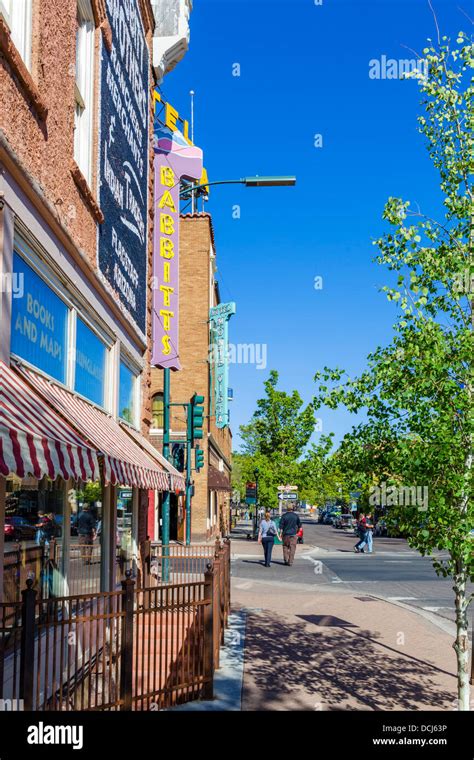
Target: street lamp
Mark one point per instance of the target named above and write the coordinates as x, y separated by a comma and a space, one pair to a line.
278, 181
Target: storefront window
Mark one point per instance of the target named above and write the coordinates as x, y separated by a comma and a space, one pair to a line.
39, 324
34, 509
157, 411
91, 354
127, 403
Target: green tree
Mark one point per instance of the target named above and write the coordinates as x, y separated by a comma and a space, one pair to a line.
418, 391
279, 427
273, 441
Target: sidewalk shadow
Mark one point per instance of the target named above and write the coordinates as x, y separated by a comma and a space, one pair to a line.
319, 665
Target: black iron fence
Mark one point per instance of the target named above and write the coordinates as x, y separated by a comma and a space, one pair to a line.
143, 647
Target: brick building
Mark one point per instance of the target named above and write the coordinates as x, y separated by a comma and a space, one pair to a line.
76, 225
199, 293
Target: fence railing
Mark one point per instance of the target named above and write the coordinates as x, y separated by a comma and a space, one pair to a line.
140, 648
174, 563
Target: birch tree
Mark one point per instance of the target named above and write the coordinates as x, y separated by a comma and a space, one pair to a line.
418, 391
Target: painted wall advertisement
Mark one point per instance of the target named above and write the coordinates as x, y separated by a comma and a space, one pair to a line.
175, 158
124, 144
219, 316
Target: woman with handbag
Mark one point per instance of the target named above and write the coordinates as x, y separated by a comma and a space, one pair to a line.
267, 533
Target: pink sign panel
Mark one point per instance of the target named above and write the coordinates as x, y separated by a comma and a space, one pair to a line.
175, 159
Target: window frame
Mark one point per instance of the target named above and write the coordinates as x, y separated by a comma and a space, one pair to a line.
18, 16
136, 392
107, 368
157, 428
84, 82
41, 269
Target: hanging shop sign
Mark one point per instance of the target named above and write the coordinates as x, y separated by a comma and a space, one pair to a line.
176, 158
124, 146
219, 316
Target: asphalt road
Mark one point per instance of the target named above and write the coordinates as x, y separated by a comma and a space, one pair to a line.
327, 561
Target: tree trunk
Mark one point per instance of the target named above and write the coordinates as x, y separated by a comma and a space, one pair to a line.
461, 644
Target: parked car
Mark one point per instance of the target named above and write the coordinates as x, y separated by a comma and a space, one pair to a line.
330, 517
347, 522
23, 530
380, 528
8, 532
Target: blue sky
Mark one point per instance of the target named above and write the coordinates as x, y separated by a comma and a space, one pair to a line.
304, 70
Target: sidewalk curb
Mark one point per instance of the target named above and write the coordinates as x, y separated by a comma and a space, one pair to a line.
443, 624
228, 680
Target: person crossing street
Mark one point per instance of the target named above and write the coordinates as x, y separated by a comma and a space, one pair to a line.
290, 524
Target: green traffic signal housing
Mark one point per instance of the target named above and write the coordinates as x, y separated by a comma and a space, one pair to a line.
198, 459
197, 417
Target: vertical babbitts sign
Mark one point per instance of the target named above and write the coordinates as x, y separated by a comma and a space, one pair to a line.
124, 145
175, 158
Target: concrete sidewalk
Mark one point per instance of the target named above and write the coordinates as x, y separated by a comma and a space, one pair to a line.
310, 650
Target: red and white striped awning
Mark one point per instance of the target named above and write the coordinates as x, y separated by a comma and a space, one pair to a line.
177, 481
36, 441
125, 462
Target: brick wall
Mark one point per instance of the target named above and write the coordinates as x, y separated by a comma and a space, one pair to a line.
37, 124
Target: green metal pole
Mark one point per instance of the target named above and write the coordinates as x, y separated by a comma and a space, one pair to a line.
165, 511
189, 444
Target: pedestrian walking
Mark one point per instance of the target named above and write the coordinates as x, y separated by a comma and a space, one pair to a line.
267, 533
45, 529
290, 524
86, 532
362, 533
369, 540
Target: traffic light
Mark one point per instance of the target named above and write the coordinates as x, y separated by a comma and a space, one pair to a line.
197, 417
198, 458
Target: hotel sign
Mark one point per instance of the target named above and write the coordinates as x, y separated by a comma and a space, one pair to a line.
219, 316
175, 158
124, 151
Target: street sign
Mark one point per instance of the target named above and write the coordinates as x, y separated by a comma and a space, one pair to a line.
288, 496
287, 488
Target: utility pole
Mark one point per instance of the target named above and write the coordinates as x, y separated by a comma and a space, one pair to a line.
189, 443
165, 508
